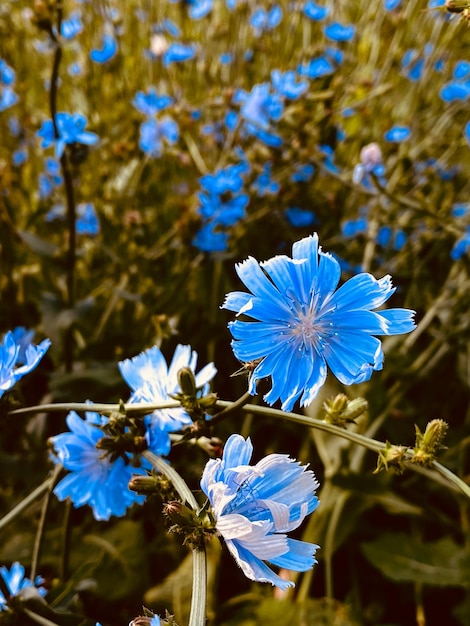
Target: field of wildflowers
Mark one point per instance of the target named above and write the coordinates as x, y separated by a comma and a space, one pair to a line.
234, 312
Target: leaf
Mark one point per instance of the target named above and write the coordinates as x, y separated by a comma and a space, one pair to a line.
401, 558
38, 245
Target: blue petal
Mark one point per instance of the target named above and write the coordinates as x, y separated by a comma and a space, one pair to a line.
300, 557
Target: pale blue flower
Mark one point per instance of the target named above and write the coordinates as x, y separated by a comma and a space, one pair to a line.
154, 133
15, 581
178, 52
285, 83
18, 358
397, 134
255, 506
314, 11
94, 478
316, 68
151, 103
339, 32
300, 323
72, 26
152, 380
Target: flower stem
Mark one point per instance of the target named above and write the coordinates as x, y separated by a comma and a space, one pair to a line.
197, 615
42, 522
46, 486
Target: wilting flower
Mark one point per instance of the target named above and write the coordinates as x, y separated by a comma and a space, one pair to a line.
153, 381
300, 323
15, 582
255, 506
95, 477
18, 359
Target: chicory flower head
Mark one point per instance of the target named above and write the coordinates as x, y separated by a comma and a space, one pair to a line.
17, 358
300, 323
94, 478
71, 129
15, 582
153, 381
255, 506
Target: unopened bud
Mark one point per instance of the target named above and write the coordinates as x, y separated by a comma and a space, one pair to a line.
391, 456
187, 381
340, 410
429, 442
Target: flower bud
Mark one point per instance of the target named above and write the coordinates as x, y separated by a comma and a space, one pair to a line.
187, 381
340, 410
429, 442
391, 456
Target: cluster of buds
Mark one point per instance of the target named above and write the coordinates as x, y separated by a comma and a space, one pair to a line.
341, 411
123, 434
194, 527
153, 484
424, 452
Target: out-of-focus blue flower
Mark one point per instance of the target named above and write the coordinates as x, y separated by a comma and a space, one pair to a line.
300, 218
412, 65
95, 478
351, 228
108, 50
15, 581
72, 26
264, 185
300, 323
259, 109
152, 380
455, 90
255, 506
302, 173
87, 221
328, 156
199, 8
8, 97
460, 209
391, 5
316, 68
207, 239
221, 205
285, 83
462, 246
315, 11
262, 20
339, 32
178, 52
19, 157
18, 359
153, 134
14, 126
71, 129
386, 236
50, 179
397, 134
7, 74
151, 103
461, 70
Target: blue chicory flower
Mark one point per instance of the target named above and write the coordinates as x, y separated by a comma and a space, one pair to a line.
300, 218
314, 11
153, 134
339, 32
15, 581
285, 83
94, 478
71, 129
391, 5
397, 134
87, 221
108, 50
151, 103
72, 26
199, 8
207, 239
262, 20
255, 506
264, 185
153, 381
316, 68
259, 109
300, 323
18, 358
178, 52
302, 173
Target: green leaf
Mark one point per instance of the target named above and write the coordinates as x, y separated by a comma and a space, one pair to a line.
403, 559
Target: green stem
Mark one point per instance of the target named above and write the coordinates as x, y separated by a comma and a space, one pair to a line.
197, 615
39, 619
46, 486
42, 522
141, 407
453, 478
